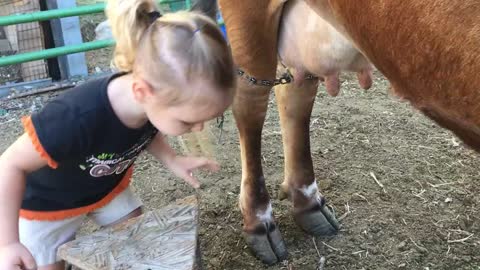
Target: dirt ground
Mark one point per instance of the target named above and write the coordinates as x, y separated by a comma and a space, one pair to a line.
427, 216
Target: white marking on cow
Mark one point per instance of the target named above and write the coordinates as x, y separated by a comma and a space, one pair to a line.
311, 190
265, 216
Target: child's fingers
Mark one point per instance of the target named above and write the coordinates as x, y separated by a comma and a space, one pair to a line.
28, 260
211, 166
188, 177
205, 163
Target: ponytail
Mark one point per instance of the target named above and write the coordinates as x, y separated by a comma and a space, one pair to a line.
129, 19
169, 52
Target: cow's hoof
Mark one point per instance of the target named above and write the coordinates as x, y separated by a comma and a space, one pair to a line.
318, 221
267, 243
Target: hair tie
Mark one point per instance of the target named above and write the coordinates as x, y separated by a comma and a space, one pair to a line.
198, 29
153, 16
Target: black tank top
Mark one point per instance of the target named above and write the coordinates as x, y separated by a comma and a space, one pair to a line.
89, 149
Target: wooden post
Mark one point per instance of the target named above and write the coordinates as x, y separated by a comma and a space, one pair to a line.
5, 45
10, 31
66, 31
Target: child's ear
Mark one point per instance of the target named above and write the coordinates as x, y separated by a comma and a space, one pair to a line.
141, 90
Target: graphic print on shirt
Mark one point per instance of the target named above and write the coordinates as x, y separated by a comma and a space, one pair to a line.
103, 164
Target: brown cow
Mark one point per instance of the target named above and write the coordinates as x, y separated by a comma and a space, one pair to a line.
326, 53
429, 50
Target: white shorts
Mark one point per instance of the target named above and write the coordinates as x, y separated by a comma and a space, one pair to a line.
43, 238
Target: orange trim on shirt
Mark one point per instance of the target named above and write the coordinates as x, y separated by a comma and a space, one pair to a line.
32, 133
64, 214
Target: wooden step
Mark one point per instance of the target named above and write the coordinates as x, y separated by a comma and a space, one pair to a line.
162, 239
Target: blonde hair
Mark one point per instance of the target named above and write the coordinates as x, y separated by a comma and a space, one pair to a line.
176, 48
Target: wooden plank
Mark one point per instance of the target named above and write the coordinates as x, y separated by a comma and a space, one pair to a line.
163, 239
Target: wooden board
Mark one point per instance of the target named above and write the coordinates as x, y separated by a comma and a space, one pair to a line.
163, 239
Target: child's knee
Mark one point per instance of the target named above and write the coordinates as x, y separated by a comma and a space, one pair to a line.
43, 238
55, 266
124, 206
135, 213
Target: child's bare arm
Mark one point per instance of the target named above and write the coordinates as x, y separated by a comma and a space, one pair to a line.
161, 150
18, 160
181, 166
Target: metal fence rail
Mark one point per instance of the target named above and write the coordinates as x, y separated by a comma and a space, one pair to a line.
51, 14
76, 11
54, 52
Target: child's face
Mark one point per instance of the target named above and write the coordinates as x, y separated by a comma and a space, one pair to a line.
205, 104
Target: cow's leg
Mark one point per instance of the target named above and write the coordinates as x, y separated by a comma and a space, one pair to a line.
260, 230
295, 107
252, 28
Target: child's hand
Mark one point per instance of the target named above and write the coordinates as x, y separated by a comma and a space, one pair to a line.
183, 166
16, 256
